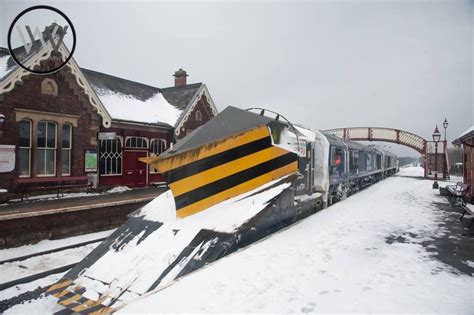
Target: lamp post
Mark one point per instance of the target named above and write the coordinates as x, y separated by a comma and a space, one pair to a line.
436, 138
445, 164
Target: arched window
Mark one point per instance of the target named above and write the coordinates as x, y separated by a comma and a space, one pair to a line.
46, 149
25, 148
198, 115
136, 142
157, 146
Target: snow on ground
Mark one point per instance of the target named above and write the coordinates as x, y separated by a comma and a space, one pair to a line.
27, 287
338, 260
412, 171
118, 189
42, 305
50, 244
15, 270
20, 269
55, 196
126, 107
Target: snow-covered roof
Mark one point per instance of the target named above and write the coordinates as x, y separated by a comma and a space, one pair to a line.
6, 63
133, 101
155, 109
469, 133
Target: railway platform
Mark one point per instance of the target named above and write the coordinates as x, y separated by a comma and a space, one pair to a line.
31, 221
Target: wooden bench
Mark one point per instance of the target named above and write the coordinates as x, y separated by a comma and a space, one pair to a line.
469, 210
457, 192
26, 185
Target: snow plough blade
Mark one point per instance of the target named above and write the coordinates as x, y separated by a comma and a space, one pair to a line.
231, 183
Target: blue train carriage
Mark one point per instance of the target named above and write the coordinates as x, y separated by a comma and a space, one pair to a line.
390, 163
352, 166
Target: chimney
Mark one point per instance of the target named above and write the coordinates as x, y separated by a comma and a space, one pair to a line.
180, 77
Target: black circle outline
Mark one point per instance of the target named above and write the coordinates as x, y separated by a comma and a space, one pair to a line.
47, 7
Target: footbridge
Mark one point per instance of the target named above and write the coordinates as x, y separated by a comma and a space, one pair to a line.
398, 136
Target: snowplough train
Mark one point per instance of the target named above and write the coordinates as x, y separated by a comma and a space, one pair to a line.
238, 178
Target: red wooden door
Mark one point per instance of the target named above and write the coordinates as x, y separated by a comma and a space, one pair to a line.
134, 171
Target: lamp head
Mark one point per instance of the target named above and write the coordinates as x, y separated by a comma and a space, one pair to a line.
436, 135
445, 123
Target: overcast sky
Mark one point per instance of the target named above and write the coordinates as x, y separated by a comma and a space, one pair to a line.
324, 64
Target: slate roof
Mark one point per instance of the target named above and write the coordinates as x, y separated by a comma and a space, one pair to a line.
468, 134
180, 96
100, 80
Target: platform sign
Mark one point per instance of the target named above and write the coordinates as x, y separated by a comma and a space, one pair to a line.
107, 135
7, 158
90, 161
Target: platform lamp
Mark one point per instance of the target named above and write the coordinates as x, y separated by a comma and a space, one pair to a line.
445, 163
436, 138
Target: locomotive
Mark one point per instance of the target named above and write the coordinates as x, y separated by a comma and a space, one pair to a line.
235, 180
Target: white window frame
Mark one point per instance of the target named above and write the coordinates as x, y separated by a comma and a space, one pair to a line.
120, 154
29, 149
131, 137
66, 149
46, 147
153, 154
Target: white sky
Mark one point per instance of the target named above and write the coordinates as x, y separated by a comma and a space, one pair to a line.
325, 64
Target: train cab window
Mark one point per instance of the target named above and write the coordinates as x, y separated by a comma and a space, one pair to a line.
336, 156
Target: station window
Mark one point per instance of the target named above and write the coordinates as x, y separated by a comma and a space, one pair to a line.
66, 149
111, 156
25, 148
136, 142
157, 146
46, 149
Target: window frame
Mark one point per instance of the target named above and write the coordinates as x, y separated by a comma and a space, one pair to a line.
30, 122
136, 147
66, 149
46, 148
153, 154
120, 140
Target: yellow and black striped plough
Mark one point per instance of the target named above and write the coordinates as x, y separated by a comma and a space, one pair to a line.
229, 163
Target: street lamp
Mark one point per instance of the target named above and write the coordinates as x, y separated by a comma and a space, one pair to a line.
436, 138
445, 164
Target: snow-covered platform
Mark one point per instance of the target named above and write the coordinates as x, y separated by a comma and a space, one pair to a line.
397, 246
44, 217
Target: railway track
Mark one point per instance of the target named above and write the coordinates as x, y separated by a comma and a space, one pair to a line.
36, 292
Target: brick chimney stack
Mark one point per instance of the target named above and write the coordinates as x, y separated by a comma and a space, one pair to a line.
180, 77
